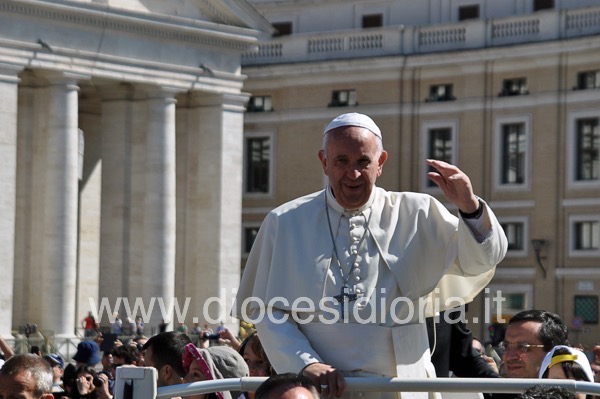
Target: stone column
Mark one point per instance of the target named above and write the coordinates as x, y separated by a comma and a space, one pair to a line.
117, 124
59, 224
212, 191
159, 205
22, 253
31, 160
88, 261
8, 175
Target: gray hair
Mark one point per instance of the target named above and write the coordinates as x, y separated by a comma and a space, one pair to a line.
37, 368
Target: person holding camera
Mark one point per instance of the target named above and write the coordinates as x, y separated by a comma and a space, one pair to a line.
204, 340
223, 337
89, 384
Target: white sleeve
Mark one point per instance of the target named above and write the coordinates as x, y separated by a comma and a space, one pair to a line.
286, 346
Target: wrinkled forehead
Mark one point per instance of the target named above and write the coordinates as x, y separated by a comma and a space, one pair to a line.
350, 131
19, 383
351, 138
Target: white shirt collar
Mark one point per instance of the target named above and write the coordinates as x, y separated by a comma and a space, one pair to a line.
332, 202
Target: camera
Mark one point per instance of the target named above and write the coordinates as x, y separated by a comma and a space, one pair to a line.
208, 336
98, 382
28, 329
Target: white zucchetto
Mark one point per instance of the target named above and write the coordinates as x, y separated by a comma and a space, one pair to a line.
354, 119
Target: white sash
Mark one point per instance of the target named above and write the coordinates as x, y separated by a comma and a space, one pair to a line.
366, 350
358, 347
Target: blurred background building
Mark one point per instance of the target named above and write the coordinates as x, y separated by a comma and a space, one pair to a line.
507, 90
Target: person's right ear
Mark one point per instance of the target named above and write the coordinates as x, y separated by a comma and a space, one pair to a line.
323, 159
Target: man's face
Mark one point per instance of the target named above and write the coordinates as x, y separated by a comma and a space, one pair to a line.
19, 385
57, 372
117, 362
107, 361
149, 362
353, 163
149, 358
517, 363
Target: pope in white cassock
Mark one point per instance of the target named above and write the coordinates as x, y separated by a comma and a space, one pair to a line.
337, 281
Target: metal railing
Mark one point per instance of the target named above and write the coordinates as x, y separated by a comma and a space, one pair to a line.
46, 341
495, 385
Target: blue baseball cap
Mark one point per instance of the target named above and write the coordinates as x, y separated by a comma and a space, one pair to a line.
55, 360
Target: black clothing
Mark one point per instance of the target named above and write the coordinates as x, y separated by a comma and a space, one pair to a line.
454, 348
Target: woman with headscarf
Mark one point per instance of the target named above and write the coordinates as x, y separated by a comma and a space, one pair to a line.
213, 363
566, 363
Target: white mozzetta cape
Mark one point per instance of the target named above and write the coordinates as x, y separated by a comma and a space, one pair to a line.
420, 244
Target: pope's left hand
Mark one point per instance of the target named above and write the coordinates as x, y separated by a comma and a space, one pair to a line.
455, 184
330, 381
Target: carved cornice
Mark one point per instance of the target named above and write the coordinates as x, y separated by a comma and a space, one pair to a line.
236, 13
208, 7
170, 28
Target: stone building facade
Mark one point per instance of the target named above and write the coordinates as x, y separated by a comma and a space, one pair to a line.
508, 91
121, 140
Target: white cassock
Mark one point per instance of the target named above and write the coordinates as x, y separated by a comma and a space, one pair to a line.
394, 251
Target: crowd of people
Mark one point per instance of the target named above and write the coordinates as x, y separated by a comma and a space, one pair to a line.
91, 373
356, 248
535, 346
118, 327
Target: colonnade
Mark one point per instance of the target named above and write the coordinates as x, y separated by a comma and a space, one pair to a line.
156, 215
